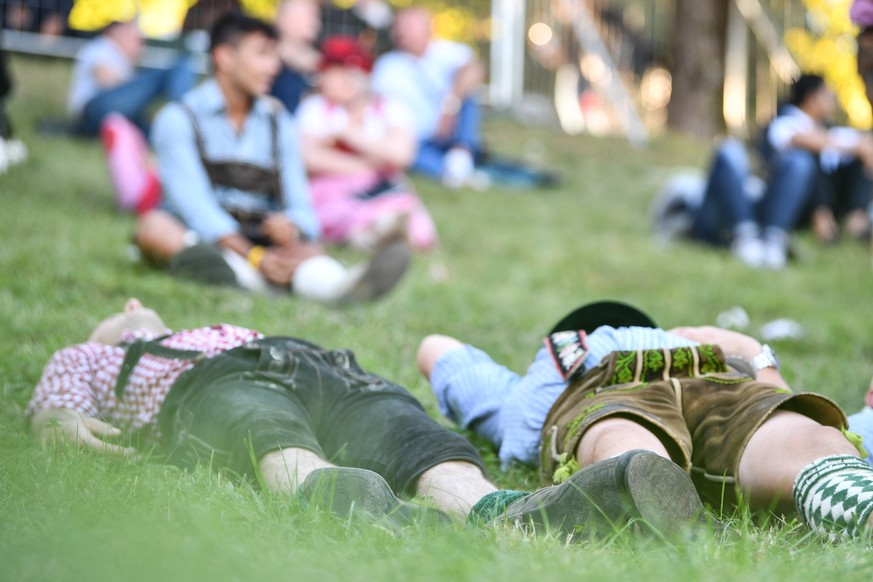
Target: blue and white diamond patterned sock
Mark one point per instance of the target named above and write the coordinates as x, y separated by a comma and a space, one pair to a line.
835, 495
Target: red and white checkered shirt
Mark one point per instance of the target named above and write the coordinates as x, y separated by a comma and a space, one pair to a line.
83, 377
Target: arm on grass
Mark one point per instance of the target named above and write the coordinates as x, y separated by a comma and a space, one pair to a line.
64, 408
69, 427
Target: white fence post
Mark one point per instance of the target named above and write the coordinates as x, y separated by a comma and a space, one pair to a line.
507, 52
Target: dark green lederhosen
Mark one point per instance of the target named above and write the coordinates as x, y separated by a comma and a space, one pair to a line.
703, 413
286, 393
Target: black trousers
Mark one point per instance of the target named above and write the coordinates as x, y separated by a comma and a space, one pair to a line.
277, 393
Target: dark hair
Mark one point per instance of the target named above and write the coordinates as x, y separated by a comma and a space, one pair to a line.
232, 26
804, 87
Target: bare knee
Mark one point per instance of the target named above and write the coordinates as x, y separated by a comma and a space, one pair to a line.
159, 235
431, 348
613, 436
784, 444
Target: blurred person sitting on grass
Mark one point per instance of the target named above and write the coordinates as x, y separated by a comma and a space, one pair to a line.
106, 80
708, 403
356, 146
813, 173
281, 412
236, 203
437, 80
298, 23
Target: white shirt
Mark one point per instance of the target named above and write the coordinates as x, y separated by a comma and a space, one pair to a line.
318, 117
99, 53
794, 122
421, 83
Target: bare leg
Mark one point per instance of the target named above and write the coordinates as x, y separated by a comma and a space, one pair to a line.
613, 436
430, 350
778, 450
285, 469
159, 235
455, 486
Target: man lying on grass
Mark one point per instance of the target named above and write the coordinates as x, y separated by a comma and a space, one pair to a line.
293, 418
705, 401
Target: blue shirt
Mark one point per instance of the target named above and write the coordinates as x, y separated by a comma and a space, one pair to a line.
188, 191
421, 83
510, 410
98, 53
862, 423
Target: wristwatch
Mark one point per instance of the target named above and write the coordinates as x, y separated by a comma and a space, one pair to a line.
766, 359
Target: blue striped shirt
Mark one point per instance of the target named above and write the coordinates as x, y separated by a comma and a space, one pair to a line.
187, 190
509, 409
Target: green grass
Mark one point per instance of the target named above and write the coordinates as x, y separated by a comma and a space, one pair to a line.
509, 265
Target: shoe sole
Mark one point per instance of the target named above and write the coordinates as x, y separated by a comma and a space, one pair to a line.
638, 486
350, 491
385, 270
662, 495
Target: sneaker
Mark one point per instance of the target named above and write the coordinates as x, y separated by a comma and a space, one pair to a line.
637, 486
348, 492
16, 151
459, 168
381, 274
203, 262
675, 206
749, 250
775, 249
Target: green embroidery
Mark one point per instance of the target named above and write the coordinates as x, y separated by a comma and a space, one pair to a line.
574, 425
682, 359
653, 362
632, 387
856, 440
624, 371
566, 468
728, 380
710, 363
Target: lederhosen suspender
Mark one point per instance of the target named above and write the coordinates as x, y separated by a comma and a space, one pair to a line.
244, 176
137, 348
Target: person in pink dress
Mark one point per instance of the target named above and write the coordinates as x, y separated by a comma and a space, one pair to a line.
355, 147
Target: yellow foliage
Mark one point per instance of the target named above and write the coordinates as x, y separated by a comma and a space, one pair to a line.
157, 18
263, 9
829, 50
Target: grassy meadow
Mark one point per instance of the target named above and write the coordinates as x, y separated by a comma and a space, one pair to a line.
509, 264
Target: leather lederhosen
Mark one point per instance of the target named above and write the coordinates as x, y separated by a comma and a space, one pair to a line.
260, 181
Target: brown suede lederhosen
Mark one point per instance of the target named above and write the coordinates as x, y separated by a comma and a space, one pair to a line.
703, 412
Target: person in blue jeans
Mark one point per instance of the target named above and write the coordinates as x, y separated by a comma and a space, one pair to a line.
106, 80
812, 172
437, 79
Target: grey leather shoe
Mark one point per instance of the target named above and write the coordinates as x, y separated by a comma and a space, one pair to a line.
349, 492
637, 486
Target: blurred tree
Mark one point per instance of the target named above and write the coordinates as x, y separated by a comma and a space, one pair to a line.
698, 67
